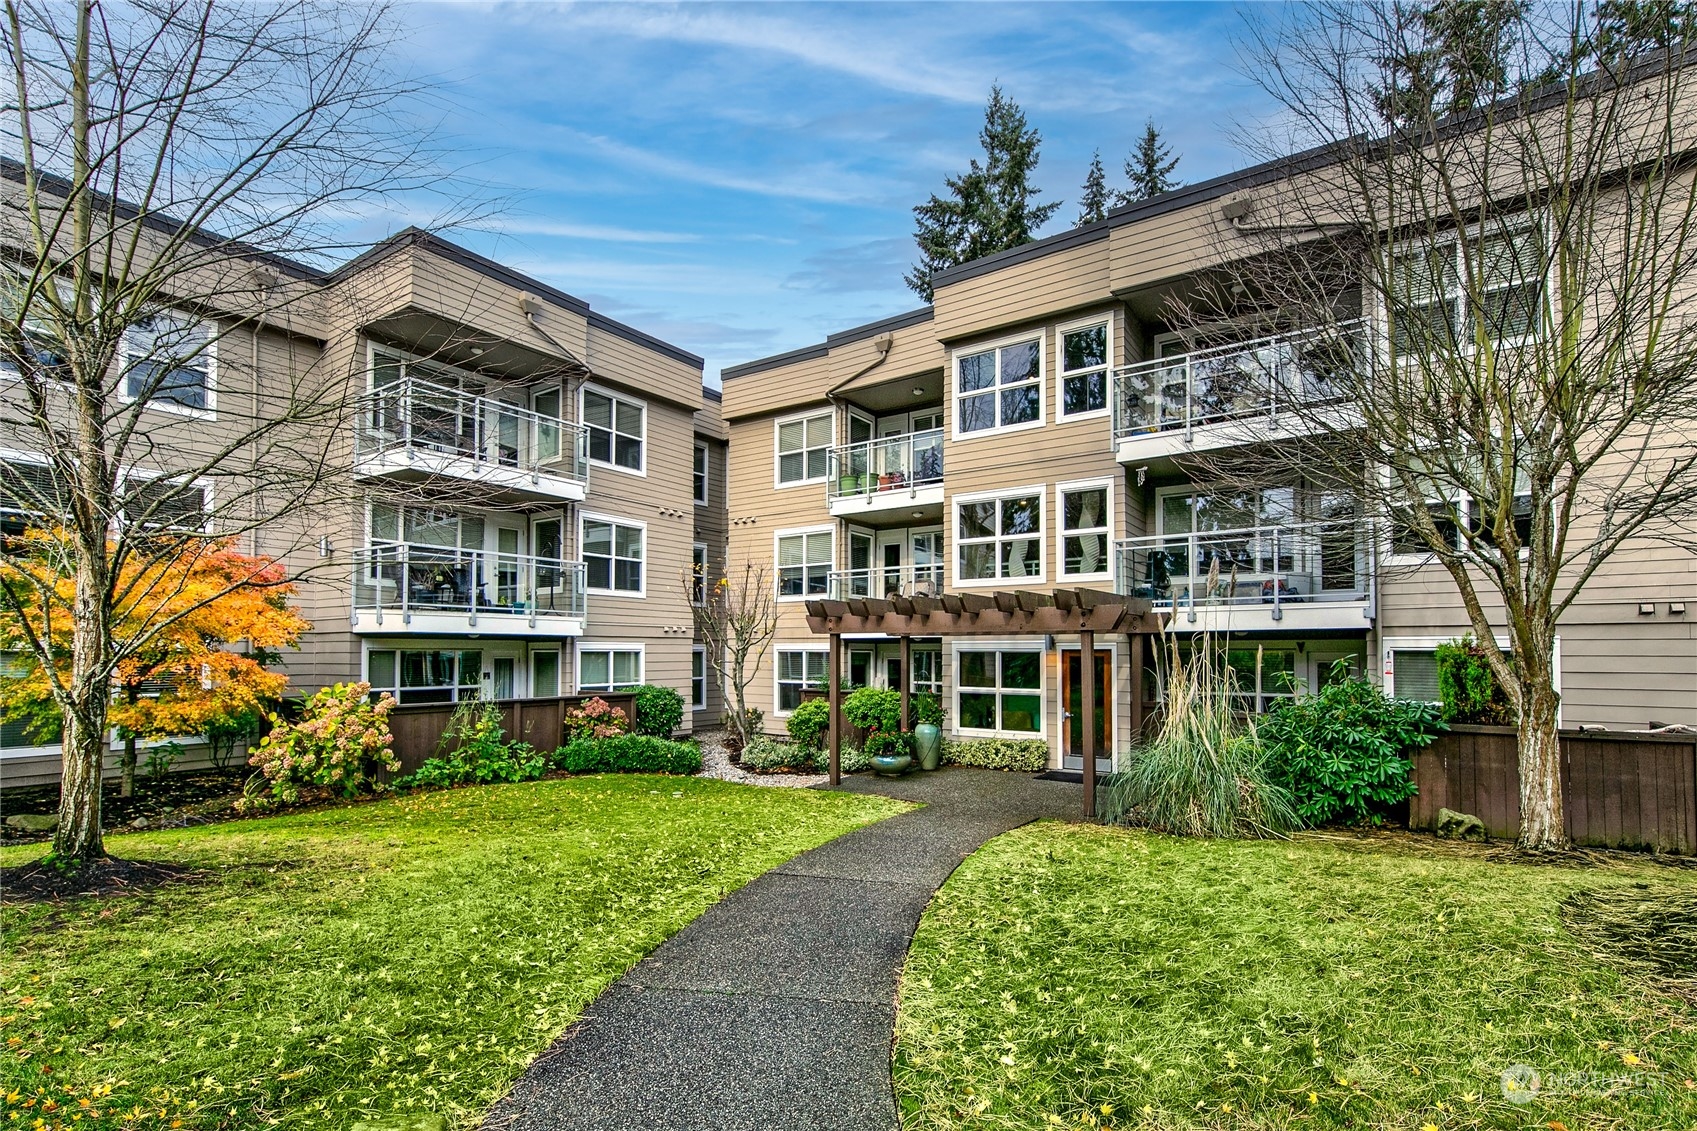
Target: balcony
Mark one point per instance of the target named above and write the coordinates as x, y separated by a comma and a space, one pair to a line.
894, 475
414, 429
1243, 393
405, 588
889, 581
1296, 578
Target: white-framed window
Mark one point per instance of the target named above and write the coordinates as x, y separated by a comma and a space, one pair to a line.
1435, 309
803, 448
1083, 355
169, 362
804, 560
1084, 518
927, 671
420, 525
544, 673
40, 342
425, 675
999, 536
798, 669
698, 573
613, 555
1409, 547
698, 678
701, 472
617, 424
999, 386
999, 690
608, 667
28, 493
162, 503
1262, 676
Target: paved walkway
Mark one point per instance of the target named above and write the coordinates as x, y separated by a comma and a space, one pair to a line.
776, 1008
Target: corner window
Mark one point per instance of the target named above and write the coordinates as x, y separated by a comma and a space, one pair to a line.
1084, 370
612, 555
804, 564
702, 462
698, 678
804, 449
999, 537
617, 428
999, 388
424, 676
612, 668
698, 574
1084, 531
799, 669
168, 362
1000, 691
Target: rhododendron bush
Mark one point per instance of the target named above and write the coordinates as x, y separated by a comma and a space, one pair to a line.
338, 747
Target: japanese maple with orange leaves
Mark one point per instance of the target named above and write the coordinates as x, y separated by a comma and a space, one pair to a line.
176, 618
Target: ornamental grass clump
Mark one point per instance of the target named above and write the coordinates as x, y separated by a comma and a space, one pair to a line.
338, 748
1205, 773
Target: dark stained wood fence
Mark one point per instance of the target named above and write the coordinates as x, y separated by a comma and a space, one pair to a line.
1620, 790
418, 729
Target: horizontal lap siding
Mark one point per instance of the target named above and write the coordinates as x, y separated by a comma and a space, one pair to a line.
1039, 288
786, 388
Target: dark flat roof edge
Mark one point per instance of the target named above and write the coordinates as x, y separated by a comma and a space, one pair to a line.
761, 365
712, 394
841, 338
648, 341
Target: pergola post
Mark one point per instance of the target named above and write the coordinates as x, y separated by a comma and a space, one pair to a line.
907, 684
834, 696
1137, 647
1087, 707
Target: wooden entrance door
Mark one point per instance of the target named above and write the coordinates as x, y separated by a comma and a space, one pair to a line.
1072, 729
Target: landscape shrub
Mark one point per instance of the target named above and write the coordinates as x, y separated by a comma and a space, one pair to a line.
474, 750
339, 746
629, 754
659, 710
1344, 754
1022, 755
1205, 773
809, 725
766, 755
596, 718
1468, 687
852, 760
874, 708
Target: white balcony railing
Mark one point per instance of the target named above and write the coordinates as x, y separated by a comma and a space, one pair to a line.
888, 581
1261, 378
404, 577
1258, 566
414, 416
890, 464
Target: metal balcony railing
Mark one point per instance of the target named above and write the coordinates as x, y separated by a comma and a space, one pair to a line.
1264, 377
888, 581
893, 463
404, 577
1253, 566
413, 415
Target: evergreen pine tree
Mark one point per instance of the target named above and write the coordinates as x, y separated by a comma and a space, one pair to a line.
988, 208
1149, 169
1093, 199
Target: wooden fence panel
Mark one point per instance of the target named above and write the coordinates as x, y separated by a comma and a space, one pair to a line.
1620, 790
418, 729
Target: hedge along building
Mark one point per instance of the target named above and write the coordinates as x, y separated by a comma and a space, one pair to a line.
1049, 422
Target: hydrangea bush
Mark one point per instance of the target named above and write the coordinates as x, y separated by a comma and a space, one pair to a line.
595, 719
339, 746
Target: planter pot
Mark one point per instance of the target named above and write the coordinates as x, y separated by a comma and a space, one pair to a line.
892, 765
848, 485
928, 741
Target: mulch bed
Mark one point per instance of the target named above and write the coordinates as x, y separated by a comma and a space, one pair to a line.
187, 798
45, 883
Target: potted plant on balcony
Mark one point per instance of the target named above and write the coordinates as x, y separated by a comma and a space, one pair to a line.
848, 485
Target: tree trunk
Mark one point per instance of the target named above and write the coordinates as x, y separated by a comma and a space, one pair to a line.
1543, 824
127, 783
78, 838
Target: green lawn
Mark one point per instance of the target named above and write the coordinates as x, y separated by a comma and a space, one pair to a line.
1085, 975
409, 955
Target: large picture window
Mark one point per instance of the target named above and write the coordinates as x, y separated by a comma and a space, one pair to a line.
1084, 369
1000, 537
999, 388
1084, 530
617, 427
804, 449
1000, 691
610, 668
425, 676
804, 564
799, 669
612, 555
168, 362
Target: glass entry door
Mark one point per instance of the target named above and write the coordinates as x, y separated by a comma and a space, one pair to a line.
1073, 724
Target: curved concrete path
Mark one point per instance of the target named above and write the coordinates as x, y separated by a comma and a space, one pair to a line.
776, 1007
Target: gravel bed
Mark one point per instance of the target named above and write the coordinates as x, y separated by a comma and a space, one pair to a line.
716, 763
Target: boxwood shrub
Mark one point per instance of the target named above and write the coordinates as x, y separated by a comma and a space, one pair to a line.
629, 754
1025, 755
659, 710
809, 724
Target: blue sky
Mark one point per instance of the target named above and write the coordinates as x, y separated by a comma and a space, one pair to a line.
738, 179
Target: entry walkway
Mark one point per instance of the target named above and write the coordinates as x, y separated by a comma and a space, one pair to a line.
776, 1007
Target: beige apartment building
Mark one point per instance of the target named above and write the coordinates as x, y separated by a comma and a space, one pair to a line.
1026, 431
526, 486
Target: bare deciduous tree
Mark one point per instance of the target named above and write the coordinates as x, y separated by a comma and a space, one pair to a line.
737, 619
1489, 238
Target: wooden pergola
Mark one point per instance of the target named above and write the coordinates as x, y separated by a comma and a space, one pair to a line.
1019, 612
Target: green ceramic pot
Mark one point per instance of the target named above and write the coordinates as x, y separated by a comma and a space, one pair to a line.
928, 742
892, 765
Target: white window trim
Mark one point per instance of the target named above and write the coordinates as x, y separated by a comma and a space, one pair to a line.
791, 532
706, 470
1527, 221
617, 395
408, 358
953, 406
997, 644
1061, 374
428, 644
952, 539
1061, 489
589, 516
210, 412
609, 646
777, 483
1391, 558
1390, 645
695, 579
777, 672
706, 675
